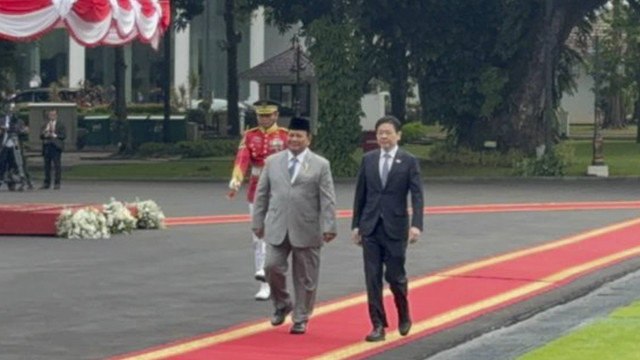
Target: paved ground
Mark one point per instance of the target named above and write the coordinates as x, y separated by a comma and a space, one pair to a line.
70, 299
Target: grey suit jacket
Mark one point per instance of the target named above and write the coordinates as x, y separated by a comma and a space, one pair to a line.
305, 209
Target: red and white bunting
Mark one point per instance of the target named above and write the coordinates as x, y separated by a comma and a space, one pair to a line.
90, 22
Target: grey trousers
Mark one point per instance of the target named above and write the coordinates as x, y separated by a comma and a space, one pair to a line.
305, 271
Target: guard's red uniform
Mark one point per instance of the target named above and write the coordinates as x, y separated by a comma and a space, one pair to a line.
257, 144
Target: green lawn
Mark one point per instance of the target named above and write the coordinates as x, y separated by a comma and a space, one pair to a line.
613, 338
622, 157
186, 168
586, 130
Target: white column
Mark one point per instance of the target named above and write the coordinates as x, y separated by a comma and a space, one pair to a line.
76, 63
181, 61
128, 60
256, 49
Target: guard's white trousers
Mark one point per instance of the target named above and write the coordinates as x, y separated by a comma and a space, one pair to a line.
259, 247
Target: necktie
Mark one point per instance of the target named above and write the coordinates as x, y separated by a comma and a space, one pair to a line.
385, 169
292, 167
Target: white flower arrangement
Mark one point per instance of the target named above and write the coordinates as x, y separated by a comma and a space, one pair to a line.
115, 218
119, 218
149, 214
84, 223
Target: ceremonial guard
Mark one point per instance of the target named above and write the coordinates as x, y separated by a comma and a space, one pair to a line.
256, 145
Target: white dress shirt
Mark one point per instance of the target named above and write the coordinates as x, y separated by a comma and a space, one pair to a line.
300, 158
392, 152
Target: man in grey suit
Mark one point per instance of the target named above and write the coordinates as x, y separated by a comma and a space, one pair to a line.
294, 211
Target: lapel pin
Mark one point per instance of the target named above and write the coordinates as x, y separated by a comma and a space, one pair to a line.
398, 161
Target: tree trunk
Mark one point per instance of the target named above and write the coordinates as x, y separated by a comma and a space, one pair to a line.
614, 110
166, 87
521, 123
120, 108
233, 38
636, 116
422, 93
399, 81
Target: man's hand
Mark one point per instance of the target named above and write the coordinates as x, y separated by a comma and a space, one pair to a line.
234, 186
259, 233
328, 237
355, 235
414, 235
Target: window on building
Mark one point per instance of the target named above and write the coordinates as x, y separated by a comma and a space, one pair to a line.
284, 94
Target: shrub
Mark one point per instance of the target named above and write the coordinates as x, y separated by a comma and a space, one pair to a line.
207, 148
552, 163
154, 149
190, 149
414, 132
448, 153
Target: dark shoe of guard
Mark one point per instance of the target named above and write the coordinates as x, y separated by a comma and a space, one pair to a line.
404, 327
279, 315
299, 328
56, 187
377, 334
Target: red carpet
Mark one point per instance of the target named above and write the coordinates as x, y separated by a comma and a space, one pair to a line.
435, 210
438, 301
39, 219
31, 219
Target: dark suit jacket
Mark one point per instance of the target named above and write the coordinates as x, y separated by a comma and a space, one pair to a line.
372, 201
58, 141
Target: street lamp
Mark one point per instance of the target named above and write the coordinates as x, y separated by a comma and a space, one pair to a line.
297, 68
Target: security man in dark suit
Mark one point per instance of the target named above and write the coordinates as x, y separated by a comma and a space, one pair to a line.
52, 134
381, 222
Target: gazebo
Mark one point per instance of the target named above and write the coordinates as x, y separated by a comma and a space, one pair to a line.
281, 76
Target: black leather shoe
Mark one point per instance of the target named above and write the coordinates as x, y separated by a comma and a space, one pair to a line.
279, 315
299, 328
377, 334
404, 327
56, 187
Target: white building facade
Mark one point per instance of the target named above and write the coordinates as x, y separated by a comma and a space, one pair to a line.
198, 59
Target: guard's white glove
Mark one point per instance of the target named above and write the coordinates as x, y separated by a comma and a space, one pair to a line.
234, 185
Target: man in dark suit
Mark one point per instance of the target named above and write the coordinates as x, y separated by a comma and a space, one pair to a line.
52, 134
381, 222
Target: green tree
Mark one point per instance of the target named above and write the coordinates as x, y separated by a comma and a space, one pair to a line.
632, 65
482, 66
613, 27
519, 120
337, 52
235, 11
461, 66
388, 27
